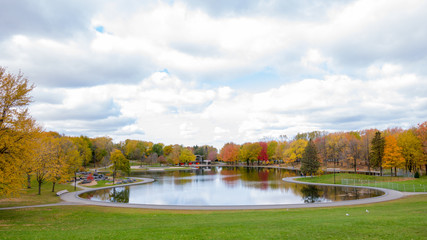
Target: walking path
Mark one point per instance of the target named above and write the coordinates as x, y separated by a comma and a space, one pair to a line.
74, 199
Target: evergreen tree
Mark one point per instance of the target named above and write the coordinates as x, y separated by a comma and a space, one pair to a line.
310, 162
377, 151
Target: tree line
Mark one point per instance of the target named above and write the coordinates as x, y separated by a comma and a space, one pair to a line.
370, 149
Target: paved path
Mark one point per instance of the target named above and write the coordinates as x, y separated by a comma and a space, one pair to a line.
73, 199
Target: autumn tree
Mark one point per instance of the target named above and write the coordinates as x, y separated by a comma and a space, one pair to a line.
229, 153
412, 150
119, 163
366, 139
309, 161
354, 148
295, 151
173, 157
421, 133
102, 147
84, 147
377, 151
75, 156
263, 156
249, 152
17, 131
167, 150
43, 159
186, 156
212, 153
392, 155
272, 150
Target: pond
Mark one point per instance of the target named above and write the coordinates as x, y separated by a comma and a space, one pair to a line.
225, 186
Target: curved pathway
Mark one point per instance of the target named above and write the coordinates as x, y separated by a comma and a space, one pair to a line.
73, 198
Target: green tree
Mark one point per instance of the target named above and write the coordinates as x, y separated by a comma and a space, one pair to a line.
310, 162
377, 151
119, 163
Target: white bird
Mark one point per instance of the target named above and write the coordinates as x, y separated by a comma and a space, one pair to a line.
347, 214
367, 211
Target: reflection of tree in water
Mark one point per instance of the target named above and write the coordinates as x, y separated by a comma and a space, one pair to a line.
120, 195
311, 194
230, 176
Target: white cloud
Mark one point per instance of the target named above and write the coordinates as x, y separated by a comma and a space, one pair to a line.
195, 73
191, 115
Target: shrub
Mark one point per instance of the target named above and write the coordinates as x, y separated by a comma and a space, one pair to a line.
90, 177
417, 174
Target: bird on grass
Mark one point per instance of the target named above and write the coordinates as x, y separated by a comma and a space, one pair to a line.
367, 211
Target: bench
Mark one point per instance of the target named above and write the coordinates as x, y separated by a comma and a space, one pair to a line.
61, 192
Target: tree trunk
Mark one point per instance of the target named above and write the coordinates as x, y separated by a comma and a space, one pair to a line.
114, 176
75, 181
28, 180
381, 171
355, 166
40, 187
53, 186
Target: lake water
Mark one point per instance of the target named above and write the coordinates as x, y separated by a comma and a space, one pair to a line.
225, 186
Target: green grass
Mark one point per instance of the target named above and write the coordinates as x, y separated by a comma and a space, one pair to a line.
30, 196
399, 219
103, 183
396, 183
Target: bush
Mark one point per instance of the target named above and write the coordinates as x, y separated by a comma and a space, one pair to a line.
417, 175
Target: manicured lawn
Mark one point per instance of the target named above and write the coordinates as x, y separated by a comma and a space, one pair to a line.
31, 197
103, 183
399, 219
397, 183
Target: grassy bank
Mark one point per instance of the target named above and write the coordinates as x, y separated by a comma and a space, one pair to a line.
397, 183
400, 219
30, 196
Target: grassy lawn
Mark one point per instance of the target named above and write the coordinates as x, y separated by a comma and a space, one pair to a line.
397, 183
31, 197
103, 183
399, 219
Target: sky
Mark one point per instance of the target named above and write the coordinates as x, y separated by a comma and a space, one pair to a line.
211, 72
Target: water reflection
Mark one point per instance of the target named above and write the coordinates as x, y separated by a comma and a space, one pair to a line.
226, 186
311, 194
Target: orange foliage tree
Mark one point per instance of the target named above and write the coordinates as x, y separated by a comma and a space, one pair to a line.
229, 153
392, 155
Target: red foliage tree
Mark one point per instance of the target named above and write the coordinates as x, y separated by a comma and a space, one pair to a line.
263, 156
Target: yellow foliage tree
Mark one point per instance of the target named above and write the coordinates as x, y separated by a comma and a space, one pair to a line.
412, 150
186, 156
120, 163
44, 159
249, 152
17, 132
295, 151
392, 155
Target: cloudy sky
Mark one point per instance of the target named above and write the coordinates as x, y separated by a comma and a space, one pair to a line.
209, 72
